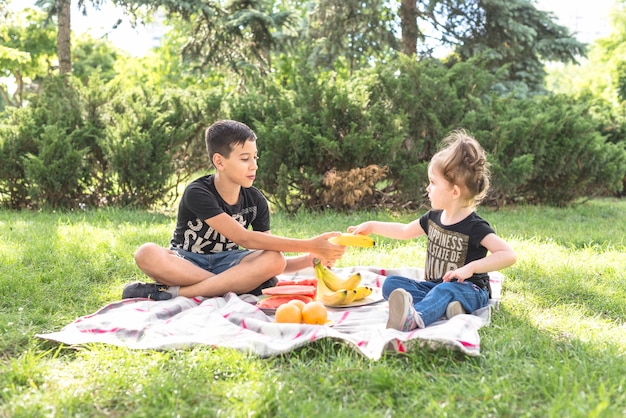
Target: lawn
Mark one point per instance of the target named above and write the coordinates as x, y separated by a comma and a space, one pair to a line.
556, 347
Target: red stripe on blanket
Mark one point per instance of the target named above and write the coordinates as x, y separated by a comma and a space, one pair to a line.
468, 344
343, 317
100, 331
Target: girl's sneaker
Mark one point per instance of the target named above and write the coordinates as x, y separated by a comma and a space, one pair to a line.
402, 314
454, 308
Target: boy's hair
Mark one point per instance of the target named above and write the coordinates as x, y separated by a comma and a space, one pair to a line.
463, 162
224, 135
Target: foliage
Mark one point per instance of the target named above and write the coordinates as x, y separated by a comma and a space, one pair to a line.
396, 115
513, 35
94, 145
547, 149
145, 139
361, 33
94, 58
27, 51
308, 126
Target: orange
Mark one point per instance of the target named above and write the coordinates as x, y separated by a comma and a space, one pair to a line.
314, 313
288, 312
299, 303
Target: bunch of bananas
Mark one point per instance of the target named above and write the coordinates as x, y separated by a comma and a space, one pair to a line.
353, 240
333, 290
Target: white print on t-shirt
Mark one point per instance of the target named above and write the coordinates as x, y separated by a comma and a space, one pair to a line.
447, 250
211, 240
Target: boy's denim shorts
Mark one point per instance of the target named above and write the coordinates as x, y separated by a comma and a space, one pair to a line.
215, 263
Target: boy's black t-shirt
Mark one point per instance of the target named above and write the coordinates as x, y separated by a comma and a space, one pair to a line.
452, 246
201, 201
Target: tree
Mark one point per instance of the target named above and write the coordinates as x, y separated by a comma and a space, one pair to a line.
27, 51
62, 10
509, 34
361, 32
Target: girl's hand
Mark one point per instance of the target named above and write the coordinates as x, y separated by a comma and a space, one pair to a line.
364, 229
459, 274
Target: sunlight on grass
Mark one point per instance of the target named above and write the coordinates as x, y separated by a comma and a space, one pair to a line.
555, 348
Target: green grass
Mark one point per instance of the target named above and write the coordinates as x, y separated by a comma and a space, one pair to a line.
556, 347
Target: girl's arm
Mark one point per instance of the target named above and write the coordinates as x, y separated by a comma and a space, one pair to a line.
502, 256
394, 230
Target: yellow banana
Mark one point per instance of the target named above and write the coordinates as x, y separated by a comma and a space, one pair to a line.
363, 291
332, 280
335, 298
353, 240
335, 282
350, 296
327, 296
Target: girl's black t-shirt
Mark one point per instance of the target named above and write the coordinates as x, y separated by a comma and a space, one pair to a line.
452, 246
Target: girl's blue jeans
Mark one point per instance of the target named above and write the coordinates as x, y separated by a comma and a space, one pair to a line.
431, 299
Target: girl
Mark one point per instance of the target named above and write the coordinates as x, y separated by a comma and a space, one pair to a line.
457, 264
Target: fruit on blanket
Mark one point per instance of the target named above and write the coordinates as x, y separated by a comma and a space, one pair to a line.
288, 313
353, 240
330, 297
309, 281
293, 289
300, 304
363, 291
350, 296
315, 313
332, 280
333, 290
273, 302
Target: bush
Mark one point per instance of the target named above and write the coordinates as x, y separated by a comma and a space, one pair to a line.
316, 125
96, 145
547, 149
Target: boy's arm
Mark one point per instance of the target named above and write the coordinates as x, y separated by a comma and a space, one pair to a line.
297, 263
502, 256
255, 240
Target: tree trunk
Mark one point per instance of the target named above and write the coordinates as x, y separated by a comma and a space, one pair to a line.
64, 37
408, 24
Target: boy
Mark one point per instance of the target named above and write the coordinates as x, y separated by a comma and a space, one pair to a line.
214, 215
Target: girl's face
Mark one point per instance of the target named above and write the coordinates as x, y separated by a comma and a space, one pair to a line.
440, 190
240, 167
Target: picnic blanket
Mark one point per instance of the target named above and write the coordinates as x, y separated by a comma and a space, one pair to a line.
234, 321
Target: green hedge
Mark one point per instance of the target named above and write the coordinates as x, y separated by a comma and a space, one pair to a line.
102, 145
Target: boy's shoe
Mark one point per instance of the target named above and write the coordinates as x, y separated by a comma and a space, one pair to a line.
454, 308
268, 283
154, 291
402, 315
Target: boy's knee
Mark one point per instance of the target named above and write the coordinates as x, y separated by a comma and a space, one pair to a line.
271, 263
144, 252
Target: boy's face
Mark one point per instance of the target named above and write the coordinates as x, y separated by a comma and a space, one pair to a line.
240, 167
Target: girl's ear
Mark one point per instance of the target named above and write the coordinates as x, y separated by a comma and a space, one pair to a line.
456, 191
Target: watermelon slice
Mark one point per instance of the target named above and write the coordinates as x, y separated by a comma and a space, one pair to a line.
311, 281
290, 289
273, 302
307, 282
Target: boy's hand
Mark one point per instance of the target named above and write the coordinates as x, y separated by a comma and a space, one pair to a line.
327, 251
